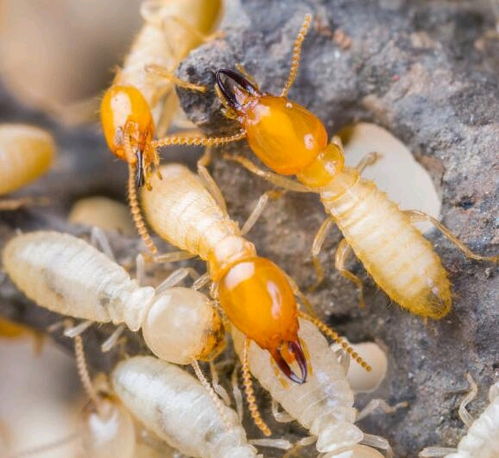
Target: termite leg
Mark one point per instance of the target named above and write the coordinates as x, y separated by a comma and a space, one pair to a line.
176, 277
236, 392
110, 342
336, 140
378, 442
417, 216
140, 269
280, 416
277, 180
375, 404
435, 452
250, 396
174, 256
281, 444
319, 239
199, 35
465, 416
303, 442
219, 389
259, 208
170, 76
368, 160
75, 331
99, 239
202, 281
296, 55
210, 184
343, 251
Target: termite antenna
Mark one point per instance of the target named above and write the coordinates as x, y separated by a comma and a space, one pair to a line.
81, 365
138, 219
250, 396
218, 402
296, 56
337, 338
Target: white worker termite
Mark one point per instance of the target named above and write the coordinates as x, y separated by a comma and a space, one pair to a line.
67, 275
323, 405
173, 404
482, 438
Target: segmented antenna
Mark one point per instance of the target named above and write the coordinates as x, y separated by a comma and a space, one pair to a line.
250, 394
136, 212
197, 141
218, 402
337, 338
296, 56
81, 365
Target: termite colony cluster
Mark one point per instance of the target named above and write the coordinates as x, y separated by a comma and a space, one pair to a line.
244, 304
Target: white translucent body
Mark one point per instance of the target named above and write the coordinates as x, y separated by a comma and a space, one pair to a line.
482, 438
358, 451
109, 433
182, 211
100, 211
26, 152
177, 408
324, 404
67, 275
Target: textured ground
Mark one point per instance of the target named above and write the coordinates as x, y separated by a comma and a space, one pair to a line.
426, 71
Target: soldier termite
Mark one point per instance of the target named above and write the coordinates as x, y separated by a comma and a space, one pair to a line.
256, 295
323, 405
171, 30
26, 153
67, 275
290, 140
173, 404
481, 440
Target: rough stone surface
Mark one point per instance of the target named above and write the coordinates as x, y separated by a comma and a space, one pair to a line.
426, 71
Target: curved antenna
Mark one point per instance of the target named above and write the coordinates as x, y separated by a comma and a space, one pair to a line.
81, 365
337, 338
237, 78
250, 394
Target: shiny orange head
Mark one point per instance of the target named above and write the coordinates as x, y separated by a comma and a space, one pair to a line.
129, 127
259, 301
285, 136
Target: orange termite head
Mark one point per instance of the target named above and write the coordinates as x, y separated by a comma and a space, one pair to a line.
259, 301
129, 128
285, 136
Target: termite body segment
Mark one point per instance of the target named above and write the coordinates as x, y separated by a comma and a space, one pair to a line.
323, 405
128, 114
26, 152
254, 293
176, 407
67, 275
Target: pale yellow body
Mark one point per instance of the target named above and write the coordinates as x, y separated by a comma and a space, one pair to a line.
67, 275
178, 409
26, 152
164, 42
324, 404
400, 260
184, 213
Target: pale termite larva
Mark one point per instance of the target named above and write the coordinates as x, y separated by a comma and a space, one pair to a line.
323, 405
67, 275
482, 438
175, 406
26, 152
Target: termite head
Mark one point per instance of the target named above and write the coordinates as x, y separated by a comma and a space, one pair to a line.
259, 301
284, 135
128, 127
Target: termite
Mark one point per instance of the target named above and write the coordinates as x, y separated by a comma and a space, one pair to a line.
481, 440
323, 405
127, 116
255, 294
69, 276
26, 153
173, 405
290, 140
